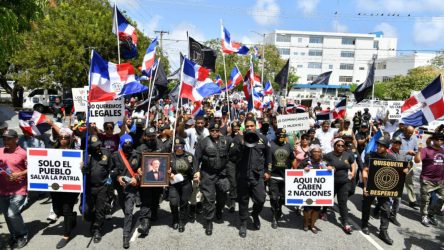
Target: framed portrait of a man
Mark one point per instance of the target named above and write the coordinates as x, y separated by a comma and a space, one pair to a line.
155, 168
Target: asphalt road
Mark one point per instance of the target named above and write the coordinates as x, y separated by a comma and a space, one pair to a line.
289, 235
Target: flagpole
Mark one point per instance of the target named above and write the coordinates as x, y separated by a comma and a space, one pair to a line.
85, 157
117, 30
151, 89
226, 81
286, 85
263, 61
177, 105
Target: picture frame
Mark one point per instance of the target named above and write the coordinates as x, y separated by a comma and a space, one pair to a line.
155, 167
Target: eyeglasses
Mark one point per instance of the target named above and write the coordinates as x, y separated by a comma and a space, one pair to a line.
340, 145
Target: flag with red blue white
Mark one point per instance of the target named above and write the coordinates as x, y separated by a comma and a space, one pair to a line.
127, 34
231, 47
195, 82
33, 122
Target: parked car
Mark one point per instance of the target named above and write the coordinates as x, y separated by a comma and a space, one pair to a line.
40, 99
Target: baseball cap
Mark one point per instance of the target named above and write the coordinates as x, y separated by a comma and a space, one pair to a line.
10, 133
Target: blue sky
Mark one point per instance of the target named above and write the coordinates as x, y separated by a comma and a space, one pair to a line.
423, 30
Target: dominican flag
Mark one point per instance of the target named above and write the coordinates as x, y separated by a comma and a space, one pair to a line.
106, 79
235, 79
197, 110
371, 145
301, 109
219, 81
340, 109
195, 82
425, 106
33, 122
133, 87
230, 47
149, 58
324, 115
252, 87
268, 88
127, 34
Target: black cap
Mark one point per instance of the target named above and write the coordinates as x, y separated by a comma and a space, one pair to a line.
366, 109
235, 124
281, 132
346, 120
364, 124
179, 140
396, 139
312, 130
265, 120
150, 131
10, 133
94, 141
163, 127
214, 125
384, 142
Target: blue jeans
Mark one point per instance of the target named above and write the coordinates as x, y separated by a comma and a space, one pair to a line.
11, 206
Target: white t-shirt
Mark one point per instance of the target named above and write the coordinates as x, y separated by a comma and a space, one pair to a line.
326, 138
191, 140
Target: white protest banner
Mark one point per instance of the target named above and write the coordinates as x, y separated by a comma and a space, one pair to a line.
293, 122
109, 111
55, 170
80, 98
312, 188
394, 109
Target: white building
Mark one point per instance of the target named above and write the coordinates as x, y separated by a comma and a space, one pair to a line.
387, 68
348, 55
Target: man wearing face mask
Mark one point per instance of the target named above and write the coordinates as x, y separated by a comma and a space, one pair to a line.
212, 156
282, 158
267, 130
180, 184
138, 133
100, 167
164, 137
149, 196
252, 155
126, 162
231, 169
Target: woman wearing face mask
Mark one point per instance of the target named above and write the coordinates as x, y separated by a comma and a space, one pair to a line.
313, 161
345, 168
63, 202
180, 189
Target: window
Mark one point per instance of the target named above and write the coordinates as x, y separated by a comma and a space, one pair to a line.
346, 53
300, 40
310, 78
361, 68
52, 92
386, 78
348, 41
346, 66
295, 53
300, 66
284, 51
316, 39
315, 52
314, 65
381, 65
345, 78
37, 92
376, 44
302, 53
283, 38
330, 66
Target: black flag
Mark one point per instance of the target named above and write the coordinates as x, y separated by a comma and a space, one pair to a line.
322, 78
282, 76
202, 55
161, 82
364, 88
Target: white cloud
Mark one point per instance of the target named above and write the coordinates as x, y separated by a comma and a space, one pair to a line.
180, 44
428, 31
400, 6
151, 25
389, 30
265, 12
307, 6
339, 27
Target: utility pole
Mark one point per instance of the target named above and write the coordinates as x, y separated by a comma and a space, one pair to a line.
161, 32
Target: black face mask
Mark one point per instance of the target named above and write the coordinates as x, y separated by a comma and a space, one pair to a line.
94, 150
151, 143
127, 149
265, 128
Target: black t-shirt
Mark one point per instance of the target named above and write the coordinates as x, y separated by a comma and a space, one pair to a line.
359, 136
282, 156
315, 141
341, 163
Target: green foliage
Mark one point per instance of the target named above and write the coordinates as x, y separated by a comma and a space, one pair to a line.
438, 61
58, 49
400, 87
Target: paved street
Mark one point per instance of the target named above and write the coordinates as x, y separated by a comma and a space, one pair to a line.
289, 235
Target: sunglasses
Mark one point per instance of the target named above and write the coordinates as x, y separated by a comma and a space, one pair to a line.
109, 128
340, 145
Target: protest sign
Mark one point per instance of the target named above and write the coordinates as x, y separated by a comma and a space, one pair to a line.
293, 122
386, 178
312, 188
80, 98
55, 170
394, 109
109, 111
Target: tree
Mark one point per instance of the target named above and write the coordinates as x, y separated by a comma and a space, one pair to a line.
57, 51
16, 16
